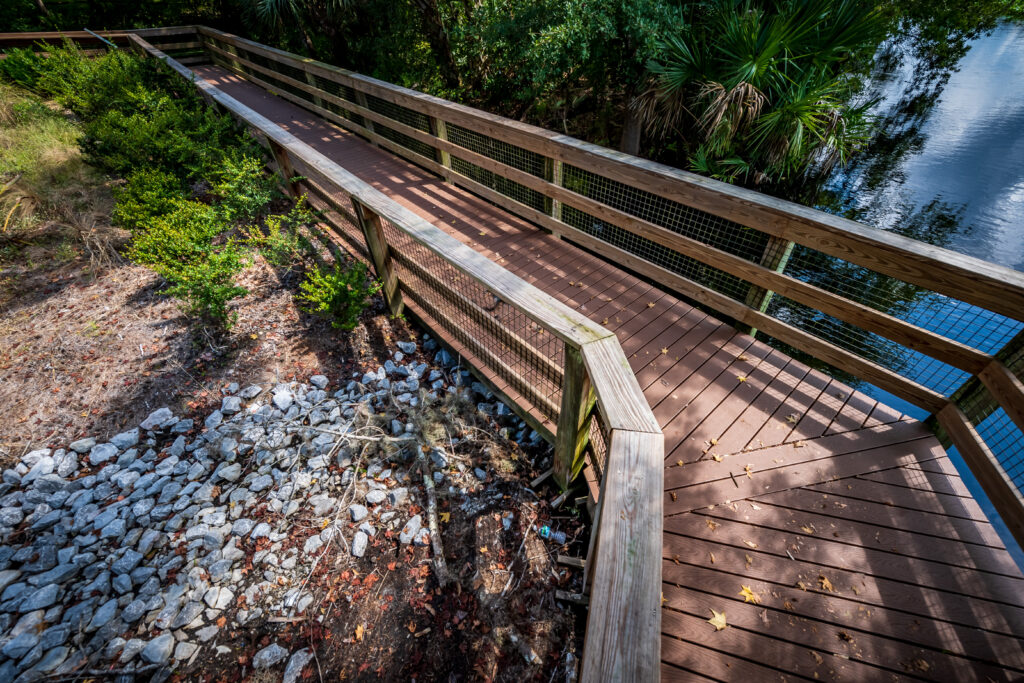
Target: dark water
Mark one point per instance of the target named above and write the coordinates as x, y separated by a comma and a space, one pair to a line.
948, 168
967, 152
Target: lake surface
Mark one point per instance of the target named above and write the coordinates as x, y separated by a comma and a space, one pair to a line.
969, 155
949, 170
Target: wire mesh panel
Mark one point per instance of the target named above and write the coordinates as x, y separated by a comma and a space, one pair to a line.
508, 154
514, 349
411, 118
509, 188
1003, 437
338, 90
598, 444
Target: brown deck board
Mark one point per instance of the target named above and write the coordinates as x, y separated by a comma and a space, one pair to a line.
922, 587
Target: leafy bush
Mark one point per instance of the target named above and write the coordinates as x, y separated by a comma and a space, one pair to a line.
21, 66
339, 295
280, 241
207, 285
146, 194
182, 236
242, 188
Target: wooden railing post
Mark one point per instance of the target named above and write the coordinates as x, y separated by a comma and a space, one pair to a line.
574, 417
776, 256
439, 129
553, 174
377, 244
367, 123
311, 79
285, 168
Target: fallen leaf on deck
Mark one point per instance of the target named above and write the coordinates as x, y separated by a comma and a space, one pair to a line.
750, 560
791, 418
817, 657
741, 378
714, 442
749, 595
807, 529
717, 457
664, 349
826, 584
750, 544
679, 463
712, 556
750, 473
718, 620
711, 525
742, 357
673, 494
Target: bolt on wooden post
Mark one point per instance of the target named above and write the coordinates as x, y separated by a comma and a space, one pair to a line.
573, 433
380, 254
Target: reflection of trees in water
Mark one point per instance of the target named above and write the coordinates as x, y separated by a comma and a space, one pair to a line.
936, 223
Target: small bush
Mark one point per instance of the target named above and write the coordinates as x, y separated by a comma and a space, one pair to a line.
339, 295
21, 66
280, 241
242, 188
206, 285
180, 237
146, 194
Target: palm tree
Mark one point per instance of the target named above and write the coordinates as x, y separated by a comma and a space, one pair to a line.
761, 88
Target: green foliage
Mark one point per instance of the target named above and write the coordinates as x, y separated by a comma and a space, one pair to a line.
146, 194
179, 245
21, 66
243, 190
279, 241
339, 294
181, 236
207, 285
763, 86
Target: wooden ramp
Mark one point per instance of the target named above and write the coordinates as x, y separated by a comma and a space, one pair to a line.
832, 532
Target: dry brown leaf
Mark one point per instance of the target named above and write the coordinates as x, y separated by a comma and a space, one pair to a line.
817, 657
712, 557
750, 544
714, 442
664, 350
359, 632
718, 620
717, 457
750, 472
673, 494
741, 378
826, 584
711, 524
807, 529
792, 418
750, 560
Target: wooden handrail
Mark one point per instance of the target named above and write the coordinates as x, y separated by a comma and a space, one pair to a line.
623, 630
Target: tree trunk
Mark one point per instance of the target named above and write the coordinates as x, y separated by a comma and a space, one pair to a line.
632, 131
42, 8
438, 39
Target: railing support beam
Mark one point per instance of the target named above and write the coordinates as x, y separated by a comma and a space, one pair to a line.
377, 244
573, 418
439, 129
776, 256
285, 168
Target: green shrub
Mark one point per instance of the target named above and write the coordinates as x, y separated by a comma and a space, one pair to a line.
21, 66
339, 295
206, 285
242, 188
280, 241
146, 194
181, 236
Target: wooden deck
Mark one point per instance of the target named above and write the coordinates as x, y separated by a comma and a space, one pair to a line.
866, 557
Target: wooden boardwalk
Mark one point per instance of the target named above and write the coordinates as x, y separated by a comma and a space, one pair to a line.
864, 555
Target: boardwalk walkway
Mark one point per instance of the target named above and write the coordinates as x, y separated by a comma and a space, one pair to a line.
864, 554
